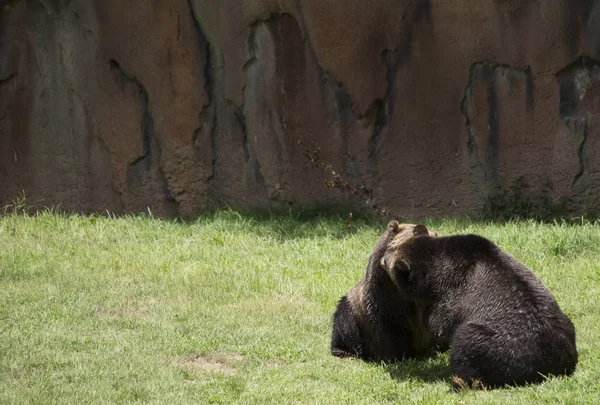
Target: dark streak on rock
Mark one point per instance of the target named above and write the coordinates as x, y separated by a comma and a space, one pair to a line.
576, 14
574, 80
489, 72
568, 98
343, 99
7, 79
493, 124
241, 120
147, 121
249, 154
151, 157
378, 107
529, 88
344, 103
579, 126
464, 108
214, 142
208, 114
424, 10
239, 112
393, 60
251, 49
251, 160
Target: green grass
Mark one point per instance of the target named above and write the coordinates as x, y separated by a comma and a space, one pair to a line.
237, 308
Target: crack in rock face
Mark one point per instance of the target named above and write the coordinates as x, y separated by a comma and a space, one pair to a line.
575, 81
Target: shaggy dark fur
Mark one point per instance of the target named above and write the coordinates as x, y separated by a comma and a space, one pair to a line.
503, 326
373, 322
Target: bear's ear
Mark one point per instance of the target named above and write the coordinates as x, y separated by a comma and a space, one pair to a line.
420, 230
393, 227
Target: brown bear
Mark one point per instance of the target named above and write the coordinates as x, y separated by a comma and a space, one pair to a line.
375, 323
503, 325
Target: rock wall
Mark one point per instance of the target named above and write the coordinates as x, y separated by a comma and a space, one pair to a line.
184, 105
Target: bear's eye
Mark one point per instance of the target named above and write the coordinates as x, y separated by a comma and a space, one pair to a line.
401, 266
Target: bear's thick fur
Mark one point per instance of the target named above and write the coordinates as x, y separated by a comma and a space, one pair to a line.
502, 324
373, 322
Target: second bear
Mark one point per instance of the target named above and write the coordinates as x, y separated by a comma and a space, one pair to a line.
373, 322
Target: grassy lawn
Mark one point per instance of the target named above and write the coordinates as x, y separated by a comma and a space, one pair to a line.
236, 308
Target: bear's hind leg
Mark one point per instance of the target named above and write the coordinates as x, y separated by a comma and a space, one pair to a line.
472, 360
345, 337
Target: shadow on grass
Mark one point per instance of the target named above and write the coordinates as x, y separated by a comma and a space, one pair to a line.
428, 370
287, 222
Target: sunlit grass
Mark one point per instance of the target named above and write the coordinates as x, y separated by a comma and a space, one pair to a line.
235, 308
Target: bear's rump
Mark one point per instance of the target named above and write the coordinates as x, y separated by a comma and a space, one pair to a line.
496, 357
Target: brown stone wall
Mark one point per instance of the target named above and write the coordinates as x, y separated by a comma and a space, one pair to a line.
184, 105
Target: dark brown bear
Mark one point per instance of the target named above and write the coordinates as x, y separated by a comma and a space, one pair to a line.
373, 322
503, 326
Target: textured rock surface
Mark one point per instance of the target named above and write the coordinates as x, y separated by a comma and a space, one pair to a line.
186, 105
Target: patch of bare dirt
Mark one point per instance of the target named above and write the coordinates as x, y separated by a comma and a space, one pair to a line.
214, 363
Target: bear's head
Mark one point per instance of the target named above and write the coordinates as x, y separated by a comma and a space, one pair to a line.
394, 258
